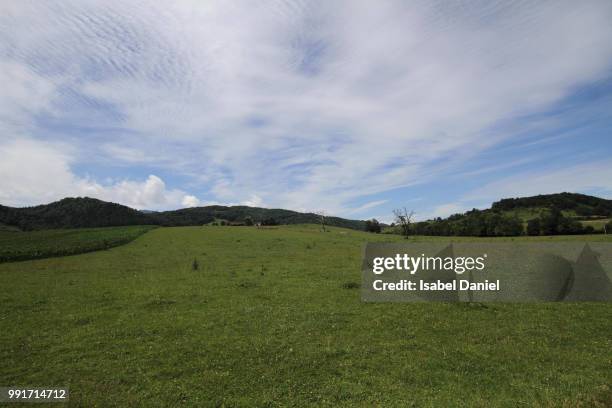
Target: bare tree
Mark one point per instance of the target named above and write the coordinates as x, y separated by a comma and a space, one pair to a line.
403, 218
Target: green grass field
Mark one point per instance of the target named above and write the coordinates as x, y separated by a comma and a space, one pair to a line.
17, 246
271, 318
598, 225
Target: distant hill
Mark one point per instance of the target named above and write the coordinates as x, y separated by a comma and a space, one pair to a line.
238, 214
84, 212
571, 213
81, 212
571, 203
550, 214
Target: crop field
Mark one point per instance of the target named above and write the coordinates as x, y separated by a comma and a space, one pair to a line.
16, 246
240, 316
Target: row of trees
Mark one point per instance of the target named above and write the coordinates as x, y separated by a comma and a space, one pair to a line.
553, 222
472, 223
486, 223
248, 221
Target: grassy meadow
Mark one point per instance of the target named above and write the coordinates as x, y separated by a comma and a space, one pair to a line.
273, 317
598, 225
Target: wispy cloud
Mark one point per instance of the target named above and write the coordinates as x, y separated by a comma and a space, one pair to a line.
288, 104
33, 169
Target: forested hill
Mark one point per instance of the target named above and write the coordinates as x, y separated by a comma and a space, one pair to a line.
84, 212
240, 214
580, 204
551, 214
72, 213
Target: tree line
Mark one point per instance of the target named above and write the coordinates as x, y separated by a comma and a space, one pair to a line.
486, 223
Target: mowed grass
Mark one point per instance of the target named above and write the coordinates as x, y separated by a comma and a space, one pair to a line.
16, 245
272, 317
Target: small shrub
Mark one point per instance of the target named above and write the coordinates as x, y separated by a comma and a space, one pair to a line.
351, 285
195, 265
160, 303
373, 226
247, 285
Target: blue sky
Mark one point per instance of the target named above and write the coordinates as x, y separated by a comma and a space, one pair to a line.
352, 108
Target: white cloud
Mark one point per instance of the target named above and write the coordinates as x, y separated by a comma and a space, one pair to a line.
367, 206
254, 201
34, 172
445, 210
190, 201
295, 104
24, 94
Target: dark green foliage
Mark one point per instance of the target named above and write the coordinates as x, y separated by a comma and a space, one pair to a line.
553, 222
372, 226
248, 221
240, 214
549, 221
533, 226
73, 213
568, 226
195, 265
501, 219
269, 221
580, 203
473, 223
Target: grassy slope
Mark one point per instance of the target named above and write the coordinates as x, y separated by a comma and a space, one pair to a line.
598, 225
15, 246
266, 320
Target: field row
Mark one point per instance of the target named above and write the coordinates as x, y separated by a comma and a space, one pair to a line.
19, 246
